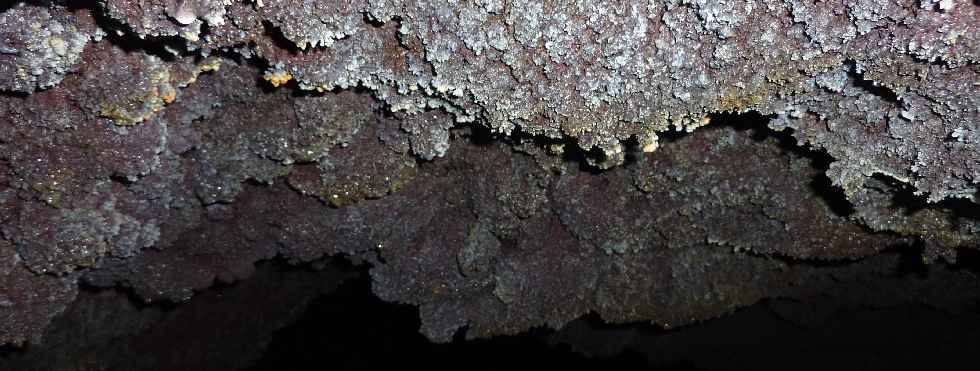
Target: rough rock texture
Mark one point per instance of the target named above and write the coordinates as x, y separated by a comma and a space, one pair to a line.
28, 302
490, 160
39, 45
606, 71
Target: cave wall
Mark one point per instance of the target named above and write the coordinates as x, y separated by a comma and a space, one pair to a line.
501, 165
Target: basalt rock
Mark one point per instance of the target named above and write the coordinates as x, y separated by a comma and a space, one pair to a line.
500, 164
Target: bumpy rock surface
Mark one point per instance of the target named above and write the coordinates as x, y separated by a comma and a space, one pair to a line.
500, 164
39, 45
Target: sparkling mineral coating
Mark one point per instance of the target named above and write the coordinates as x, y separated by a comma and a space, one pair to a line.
39, 46
500, 164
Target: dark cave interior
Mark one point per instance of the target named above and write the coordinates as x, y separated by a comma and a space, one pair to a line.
338, 324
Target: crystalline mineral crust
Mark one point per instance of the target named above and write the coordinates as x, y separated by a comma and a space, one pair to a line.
500, 164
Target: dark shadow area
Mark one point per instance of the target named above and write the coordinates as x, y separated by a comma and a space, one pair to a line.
162, 47
278, 39
779, 334
880, 91
351, 329
354, 330
7, 4
324, 316
225, 327
14, 94
967, 260
903, 196
911, 263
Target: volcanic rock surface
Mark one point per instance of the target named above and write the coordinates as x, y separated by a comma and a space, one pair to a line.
501, 165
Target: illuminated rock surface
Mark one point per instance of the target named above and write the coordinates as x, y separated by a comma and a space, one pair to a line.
499, 165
